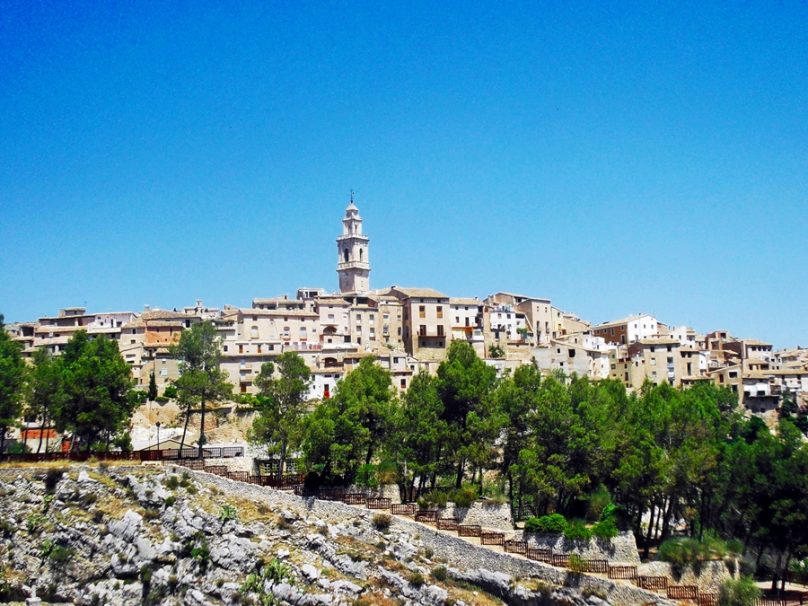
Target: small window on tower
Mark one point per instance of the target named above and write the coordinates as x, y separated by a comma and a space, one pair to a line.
345, 254
361, 253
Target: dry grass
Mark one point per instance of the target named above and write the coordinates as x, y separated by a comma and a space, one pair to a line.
471, 595
375, 598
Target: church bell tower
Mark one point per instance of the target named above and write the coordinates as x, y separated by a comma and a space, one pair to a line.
353, 262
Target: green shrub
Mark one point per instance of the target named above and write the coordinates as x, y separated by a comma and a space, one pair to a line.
170, 392
416, 579
277, 571
598, 501
146, 574
366, 476
228, 512
576, 563
161, 399
740, 592
56, 553
34, 522
464, 496
381, 521
387, 472
554, 523
734, 547
680, 551
605, 529
439, 573
577, 530
171, 482
170, 500
434, 497
200, 550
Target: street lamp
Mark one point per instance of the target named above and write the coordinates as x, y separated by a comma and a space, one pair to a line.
158, 434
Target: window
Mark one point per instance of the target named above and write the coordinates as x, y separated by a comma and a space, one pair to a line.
345, 255
422, 311
403, 383
571, 353
440, 311
440, 330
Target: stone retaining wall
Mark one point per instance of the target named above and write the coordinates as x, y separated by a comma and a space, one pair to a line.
234, 463
708, 578
622, 549
456, 551
389, 491
488, 514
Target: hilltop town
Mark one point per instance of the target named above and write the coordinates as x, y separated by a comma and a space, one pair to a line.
407, 330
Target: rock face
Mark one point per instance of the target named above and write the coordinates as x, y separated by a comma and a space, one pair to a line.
154, 537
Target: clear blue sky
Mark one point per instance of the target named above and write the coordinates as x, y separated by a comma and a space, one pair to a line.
615, 157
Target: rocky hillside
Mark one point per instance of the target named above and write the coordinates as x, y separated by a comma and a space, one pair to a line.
122, 536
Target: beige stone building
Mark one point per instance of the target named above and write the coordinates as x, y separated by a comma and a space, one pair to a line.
426, 321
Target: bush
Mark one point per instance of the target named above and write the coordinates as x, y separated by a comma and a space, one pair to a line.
555, 523
416, 579
381, 521
735, 547
680, 551
366, 476
740, 592
276, 571
387, 472
464, 496
435, 497
54, 552
577, 530
605, 529
439, 573
228, 512
170, 392
171, 482
598, 501
686, 551
34, 522
161, 399
576, 563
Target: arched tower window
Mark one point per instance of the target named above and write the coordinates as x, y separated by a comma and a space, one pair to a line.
360, 254
345, 254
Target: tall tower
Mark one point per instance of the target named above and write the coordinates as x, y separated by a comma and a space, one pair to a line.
353, 262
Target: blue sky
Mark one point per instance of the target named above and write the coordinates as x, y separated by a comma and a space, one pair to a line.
615, 157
